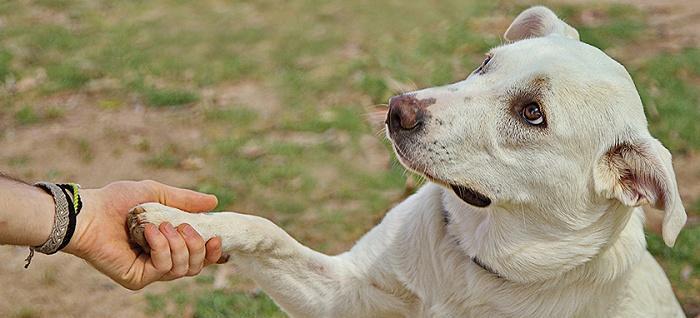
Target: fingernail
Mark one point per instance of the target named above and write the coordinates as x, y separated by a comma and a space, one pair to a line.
189, 231
186, 230
168, 228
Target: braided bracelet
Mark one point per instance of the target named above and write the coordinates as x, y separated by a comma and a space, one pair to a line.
68, 206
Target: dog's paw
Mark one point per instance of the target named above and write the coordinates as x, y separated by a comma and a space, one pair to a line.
153, 213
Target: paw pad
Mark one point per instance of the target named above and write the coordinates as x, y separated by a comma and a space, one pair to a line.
136, 223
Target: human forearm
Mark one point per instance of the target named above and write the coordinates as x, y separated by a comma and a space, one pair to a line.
26, 213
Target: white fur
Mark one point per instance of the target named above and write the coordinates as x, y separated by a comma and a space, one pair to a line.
564, 232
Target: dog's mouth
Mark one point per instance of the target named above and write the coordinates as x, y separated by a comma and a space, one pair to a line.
471, 196
465, 193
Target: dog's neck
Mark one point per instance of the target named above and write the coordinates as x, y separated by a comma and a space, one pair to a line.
509, 244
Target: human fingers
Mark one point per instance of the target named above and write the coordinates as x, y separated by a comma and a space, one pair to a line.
183, 199
195, 246
178, 252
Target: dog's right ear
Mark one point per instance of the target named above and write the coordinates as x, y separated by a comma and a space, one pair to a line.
639, 172
538, 22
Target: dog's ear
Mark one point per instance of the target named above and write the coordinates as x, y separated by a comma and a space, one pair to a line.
537, 22
640, 172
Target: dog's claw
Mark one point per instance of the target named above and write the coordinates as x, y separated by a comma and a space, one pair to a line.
136, 225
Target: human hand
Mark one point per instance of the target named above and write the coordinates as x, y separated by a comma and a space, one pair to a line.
101, 237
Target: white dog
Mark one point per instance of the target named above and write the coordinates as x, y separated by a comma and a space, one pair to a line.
539, 162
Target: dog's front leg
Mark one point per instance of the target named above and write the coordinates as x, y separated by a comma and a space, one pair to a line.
303, 282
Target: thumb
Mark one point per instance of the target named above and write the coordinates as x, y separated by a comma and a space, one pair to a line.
183, 199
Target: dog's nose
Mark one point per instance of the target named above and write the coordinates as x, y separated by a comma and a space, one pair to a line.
406, 112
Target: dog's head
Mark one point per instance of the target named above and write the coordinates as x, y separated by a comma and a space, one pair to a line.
546, 122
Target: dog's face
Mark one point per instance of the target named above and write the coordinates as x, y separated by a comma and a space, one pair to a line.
546, 122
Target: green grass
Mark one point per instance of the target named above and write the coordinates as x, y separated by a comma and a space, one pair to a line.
67, 76
683, 256
616, 24
205, 302
304, 163
375, 87
26, 116
240, 116
231, 304
5, 60
169, 97
669, 90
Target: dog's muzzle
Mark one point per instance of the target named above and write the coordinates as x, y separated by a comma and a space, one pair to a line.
406, 117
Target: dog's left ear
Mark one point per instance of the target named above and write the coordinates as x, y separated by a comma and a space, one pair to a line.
640, 172
538, 22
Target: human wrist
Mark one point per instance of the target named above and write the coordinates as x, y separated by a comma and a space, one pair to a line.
43, 209
79, 243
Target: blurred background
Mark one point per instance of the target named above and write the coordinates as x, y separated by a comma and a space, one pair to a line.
269, 105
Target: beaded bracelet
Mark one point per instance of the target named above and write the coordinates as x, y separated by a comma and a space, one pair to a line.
68, 206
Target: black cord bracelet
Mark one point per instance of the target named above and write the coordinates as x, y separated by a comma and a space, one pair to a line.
74, 195
72, 219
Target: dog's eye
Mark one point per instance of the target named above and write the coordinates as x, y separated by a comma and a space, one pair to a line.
486, 61
532, 114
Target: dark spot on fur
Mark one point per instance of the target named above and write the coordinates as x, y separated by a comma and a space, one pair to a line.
445, 216
410, 99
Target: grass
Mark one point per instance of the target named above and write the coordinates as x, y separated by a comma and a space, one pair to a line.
26, 116
226, 304
240, 115
614, 25
5, 58
682, 259
27, 313
165, 158
168, 97
310, 163
84, 150
66, 76
215, 304
671, 98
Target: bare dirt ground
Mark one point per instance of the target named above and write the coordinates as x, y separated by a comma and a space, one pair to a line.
62, 286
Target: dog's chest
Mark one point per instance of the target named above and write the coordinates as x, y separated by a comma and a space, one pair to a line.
477, 293
448, 283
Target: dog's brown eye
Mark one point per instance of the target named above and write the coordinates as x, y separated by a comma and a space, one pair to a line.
532, 114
